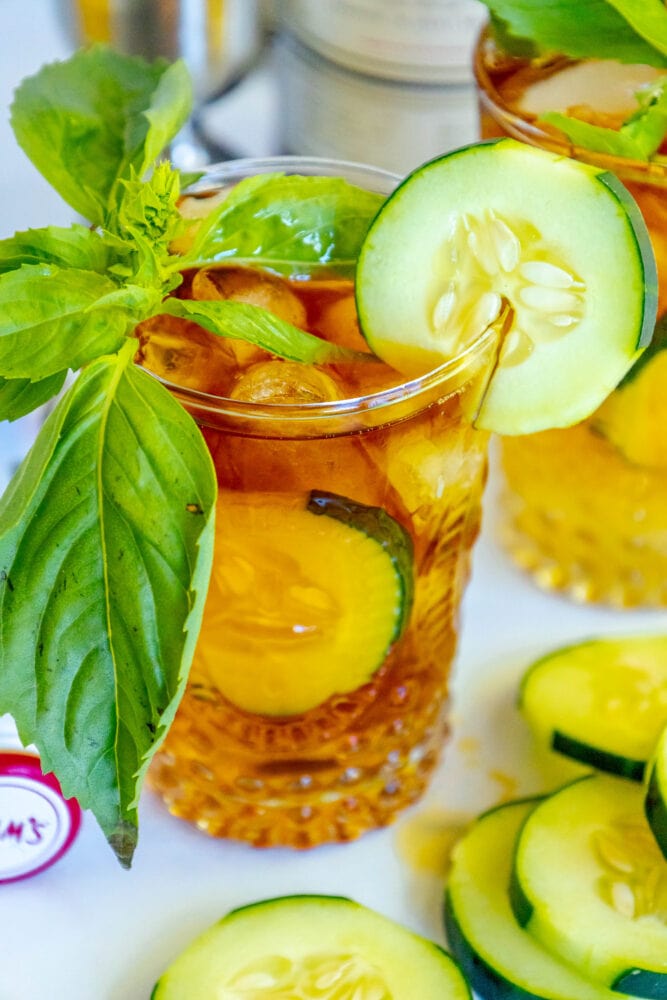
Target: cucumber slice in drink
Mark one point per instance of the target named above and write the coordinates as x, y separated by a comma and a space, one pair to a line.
501, 960
655, 803
307, 596
590, 884
311, 946
602, 703
551, 253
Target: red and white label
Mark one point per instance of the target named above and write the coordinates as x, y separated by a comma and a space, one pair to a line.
37, 825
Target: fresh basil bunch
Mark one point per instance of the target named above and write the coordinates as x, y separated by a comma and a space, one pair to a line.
106, 530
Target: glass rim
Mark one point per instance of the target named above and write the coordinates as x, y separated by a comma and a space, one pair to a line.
651, 170
407, 389
404, 391
323, 165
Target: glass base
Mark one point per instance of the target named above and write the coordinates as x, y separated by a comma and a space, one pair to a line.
582, 562
314, 813
332, 790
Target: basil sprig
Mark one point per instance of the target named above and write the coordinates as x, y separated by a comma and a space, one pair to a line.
106, 530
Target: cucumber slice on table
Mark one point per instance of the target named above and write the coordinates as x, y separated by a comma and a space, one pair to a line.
501, 960
589, 882
655, 803
321, 947
602, 702
307, 595
501, 224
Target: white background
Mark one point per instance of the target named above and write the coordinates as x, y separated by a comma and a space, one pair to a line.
85, 929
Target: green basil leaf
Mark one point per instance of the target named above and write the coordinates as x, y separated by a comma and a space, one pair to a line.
89, 121
648, 18
166, 113
260, 327
611, 142
105, 553
631, 31
288, 224
19, 396
143, 226
77, 247
637, 139
53, 319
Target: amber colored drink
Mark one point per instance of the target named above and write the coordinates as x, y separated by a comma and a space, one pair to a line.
317, 703
585, 508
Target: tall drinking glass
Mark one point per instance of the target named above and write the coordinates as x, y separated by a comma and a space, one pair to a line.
349, 502
585, 508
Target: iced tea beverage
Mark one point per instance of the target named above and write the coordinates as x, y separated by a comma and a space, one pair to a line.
585, 508
349, 501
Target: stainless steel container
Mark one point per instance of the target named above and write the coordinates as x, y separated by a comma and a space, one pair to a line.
327, 109
416, 41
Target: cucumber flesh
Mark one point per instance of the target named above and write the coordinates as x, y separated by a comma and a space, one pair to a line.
311, 946
655, 803
590, 884
502, 223
501, 960
601, 702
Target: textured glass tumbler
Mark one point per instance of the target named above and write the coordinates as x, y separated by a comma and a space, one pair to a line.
309, 717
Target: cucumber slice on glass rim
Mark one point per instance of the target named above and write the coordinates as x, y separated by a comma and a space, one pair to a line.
590, 884
552, 253
602, 703
501, 960
311, 946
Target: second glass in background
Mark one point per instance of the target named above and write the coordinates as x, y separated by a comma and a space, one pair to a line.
585, 508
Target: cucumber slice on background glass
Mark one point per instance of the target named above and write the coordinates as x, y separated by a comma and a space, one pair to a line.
601, 702
628, 418
590, 884
502, 960
311, 946
551, 252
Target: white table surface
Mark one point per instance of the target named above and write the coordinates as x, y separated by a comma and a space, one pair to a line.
87, 930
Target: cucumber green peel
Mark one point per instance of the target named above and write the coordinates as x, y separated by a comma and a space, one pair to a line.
655, 803
503, 224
